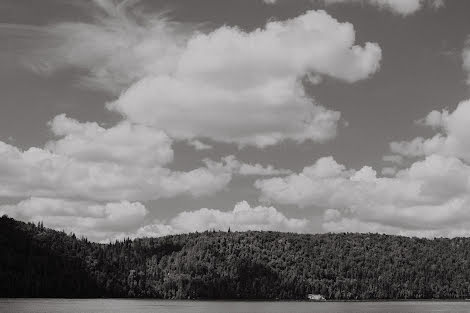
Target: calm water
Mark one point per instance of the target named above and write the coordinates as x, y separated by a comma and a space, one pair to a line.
160, 306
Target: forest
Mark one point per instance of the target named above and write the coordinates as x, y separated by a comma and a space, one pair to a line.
39, 262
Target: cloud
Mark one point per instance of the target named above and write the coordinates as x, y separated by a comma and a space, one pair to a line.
121, 46
96, 164
430, 197
466, 59
401, 7
95, 221
123, 143
117, 220
389, 171
228, 85
412, 148
123, 162
243, 217
357, 225
234, 86
258, 169
316, 186
452, 137
199, 145
231, 164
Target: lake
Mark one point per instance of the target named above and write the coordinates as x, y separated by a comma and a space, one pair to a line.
165, 306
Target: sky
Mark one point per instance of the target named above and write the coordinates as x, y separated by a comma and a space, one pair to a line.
148, 118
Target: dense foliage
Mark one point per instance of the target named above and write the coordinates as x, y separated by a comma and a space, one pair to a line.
40, 262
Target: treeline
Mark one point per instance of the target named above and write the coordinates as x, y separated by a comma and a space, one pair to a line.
40, 262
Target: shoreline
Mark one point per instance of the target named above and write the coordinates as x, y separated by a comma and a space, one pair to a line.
243, 300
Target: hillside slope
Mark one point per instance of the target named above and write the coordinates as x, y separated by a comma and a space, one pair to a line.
40, 262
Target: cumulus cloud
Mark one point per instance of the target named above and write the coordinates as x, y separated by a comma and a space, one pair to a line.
123, 162
452, 137
234, 86
227, 84
429, 197
95, 221
411, 148
316, 185
124, 143
230, 163
243, 217
117, 220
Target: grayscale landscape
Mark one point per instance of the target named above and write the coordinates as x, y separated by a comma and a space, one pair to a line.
234, 156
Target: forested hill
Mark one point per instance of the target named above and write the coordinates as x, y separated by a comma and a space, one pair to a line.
40, 262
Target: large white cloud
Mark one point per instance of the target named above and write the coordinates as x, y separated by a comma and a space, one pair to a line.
432, 196
123, 162
123, 143
84, 180
246, 87
86, 161
38, 172
104, 222
327, 184
95, 221
229, 85
452, 138
243, 217
260, 117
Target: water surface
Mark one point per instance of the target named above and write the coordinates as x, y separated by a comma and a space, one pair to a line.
164, 306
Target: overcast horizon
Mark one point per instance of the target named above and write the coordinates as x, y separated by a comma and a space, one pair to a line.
148, 118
